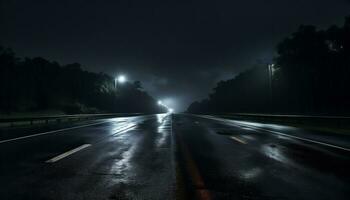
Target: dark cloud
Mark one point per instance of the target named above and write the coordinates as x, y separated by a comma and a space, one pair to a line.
178, 49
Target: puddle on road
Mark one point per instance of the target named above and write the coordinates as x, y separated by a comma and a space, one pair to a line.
251, 173
274, 152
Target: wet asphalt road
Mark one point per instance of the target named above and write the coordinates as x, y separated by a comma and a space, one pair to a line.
173, 157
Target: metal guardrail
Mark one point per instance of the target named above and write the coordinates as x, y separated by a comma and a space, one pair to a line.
58, 118
290, 116
337, 121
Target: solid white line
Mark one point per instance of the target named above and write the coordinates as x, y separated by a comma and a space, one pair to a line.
278, 133
45, 133
304, 139
68, 153
238, 140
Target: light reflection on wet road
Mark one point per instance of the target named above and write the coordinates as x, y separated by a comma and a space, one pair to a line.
258, 164
174, 157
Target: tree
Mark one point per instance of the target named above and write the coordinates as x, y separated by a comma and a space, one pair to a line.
35, 84
311, 76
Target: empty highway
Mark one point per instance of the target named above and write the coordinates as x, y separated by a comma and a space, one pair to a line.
173, 156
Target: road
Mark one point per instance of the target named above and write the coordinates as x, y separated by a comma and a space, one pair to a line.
173, 156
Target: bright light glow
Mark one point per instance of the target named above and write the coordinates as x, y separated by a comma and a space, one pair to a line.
121, 79
164, 103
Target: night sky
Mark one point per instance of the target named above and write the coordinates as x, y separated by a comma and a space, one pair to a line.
178, 49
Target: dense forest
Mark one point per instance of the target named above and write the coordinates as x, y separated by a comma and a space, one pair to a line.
309, 75
36, 84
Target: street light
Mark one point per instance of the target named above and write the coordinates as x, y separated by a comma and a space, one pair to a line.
160, 103
270, 72
119, 79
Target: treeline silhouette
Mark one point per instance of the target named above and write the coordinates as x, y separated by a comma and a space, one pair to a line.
36, 84
309, 75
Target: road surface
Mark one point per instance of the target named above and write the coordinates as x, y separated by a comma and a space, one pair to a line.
173, 156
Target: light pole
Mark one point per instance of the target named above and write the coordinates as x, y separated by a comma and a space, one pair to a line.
270, 73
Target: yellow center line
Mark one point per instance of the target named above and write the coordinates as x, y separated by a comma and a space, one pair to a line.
238, 140
201, 190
